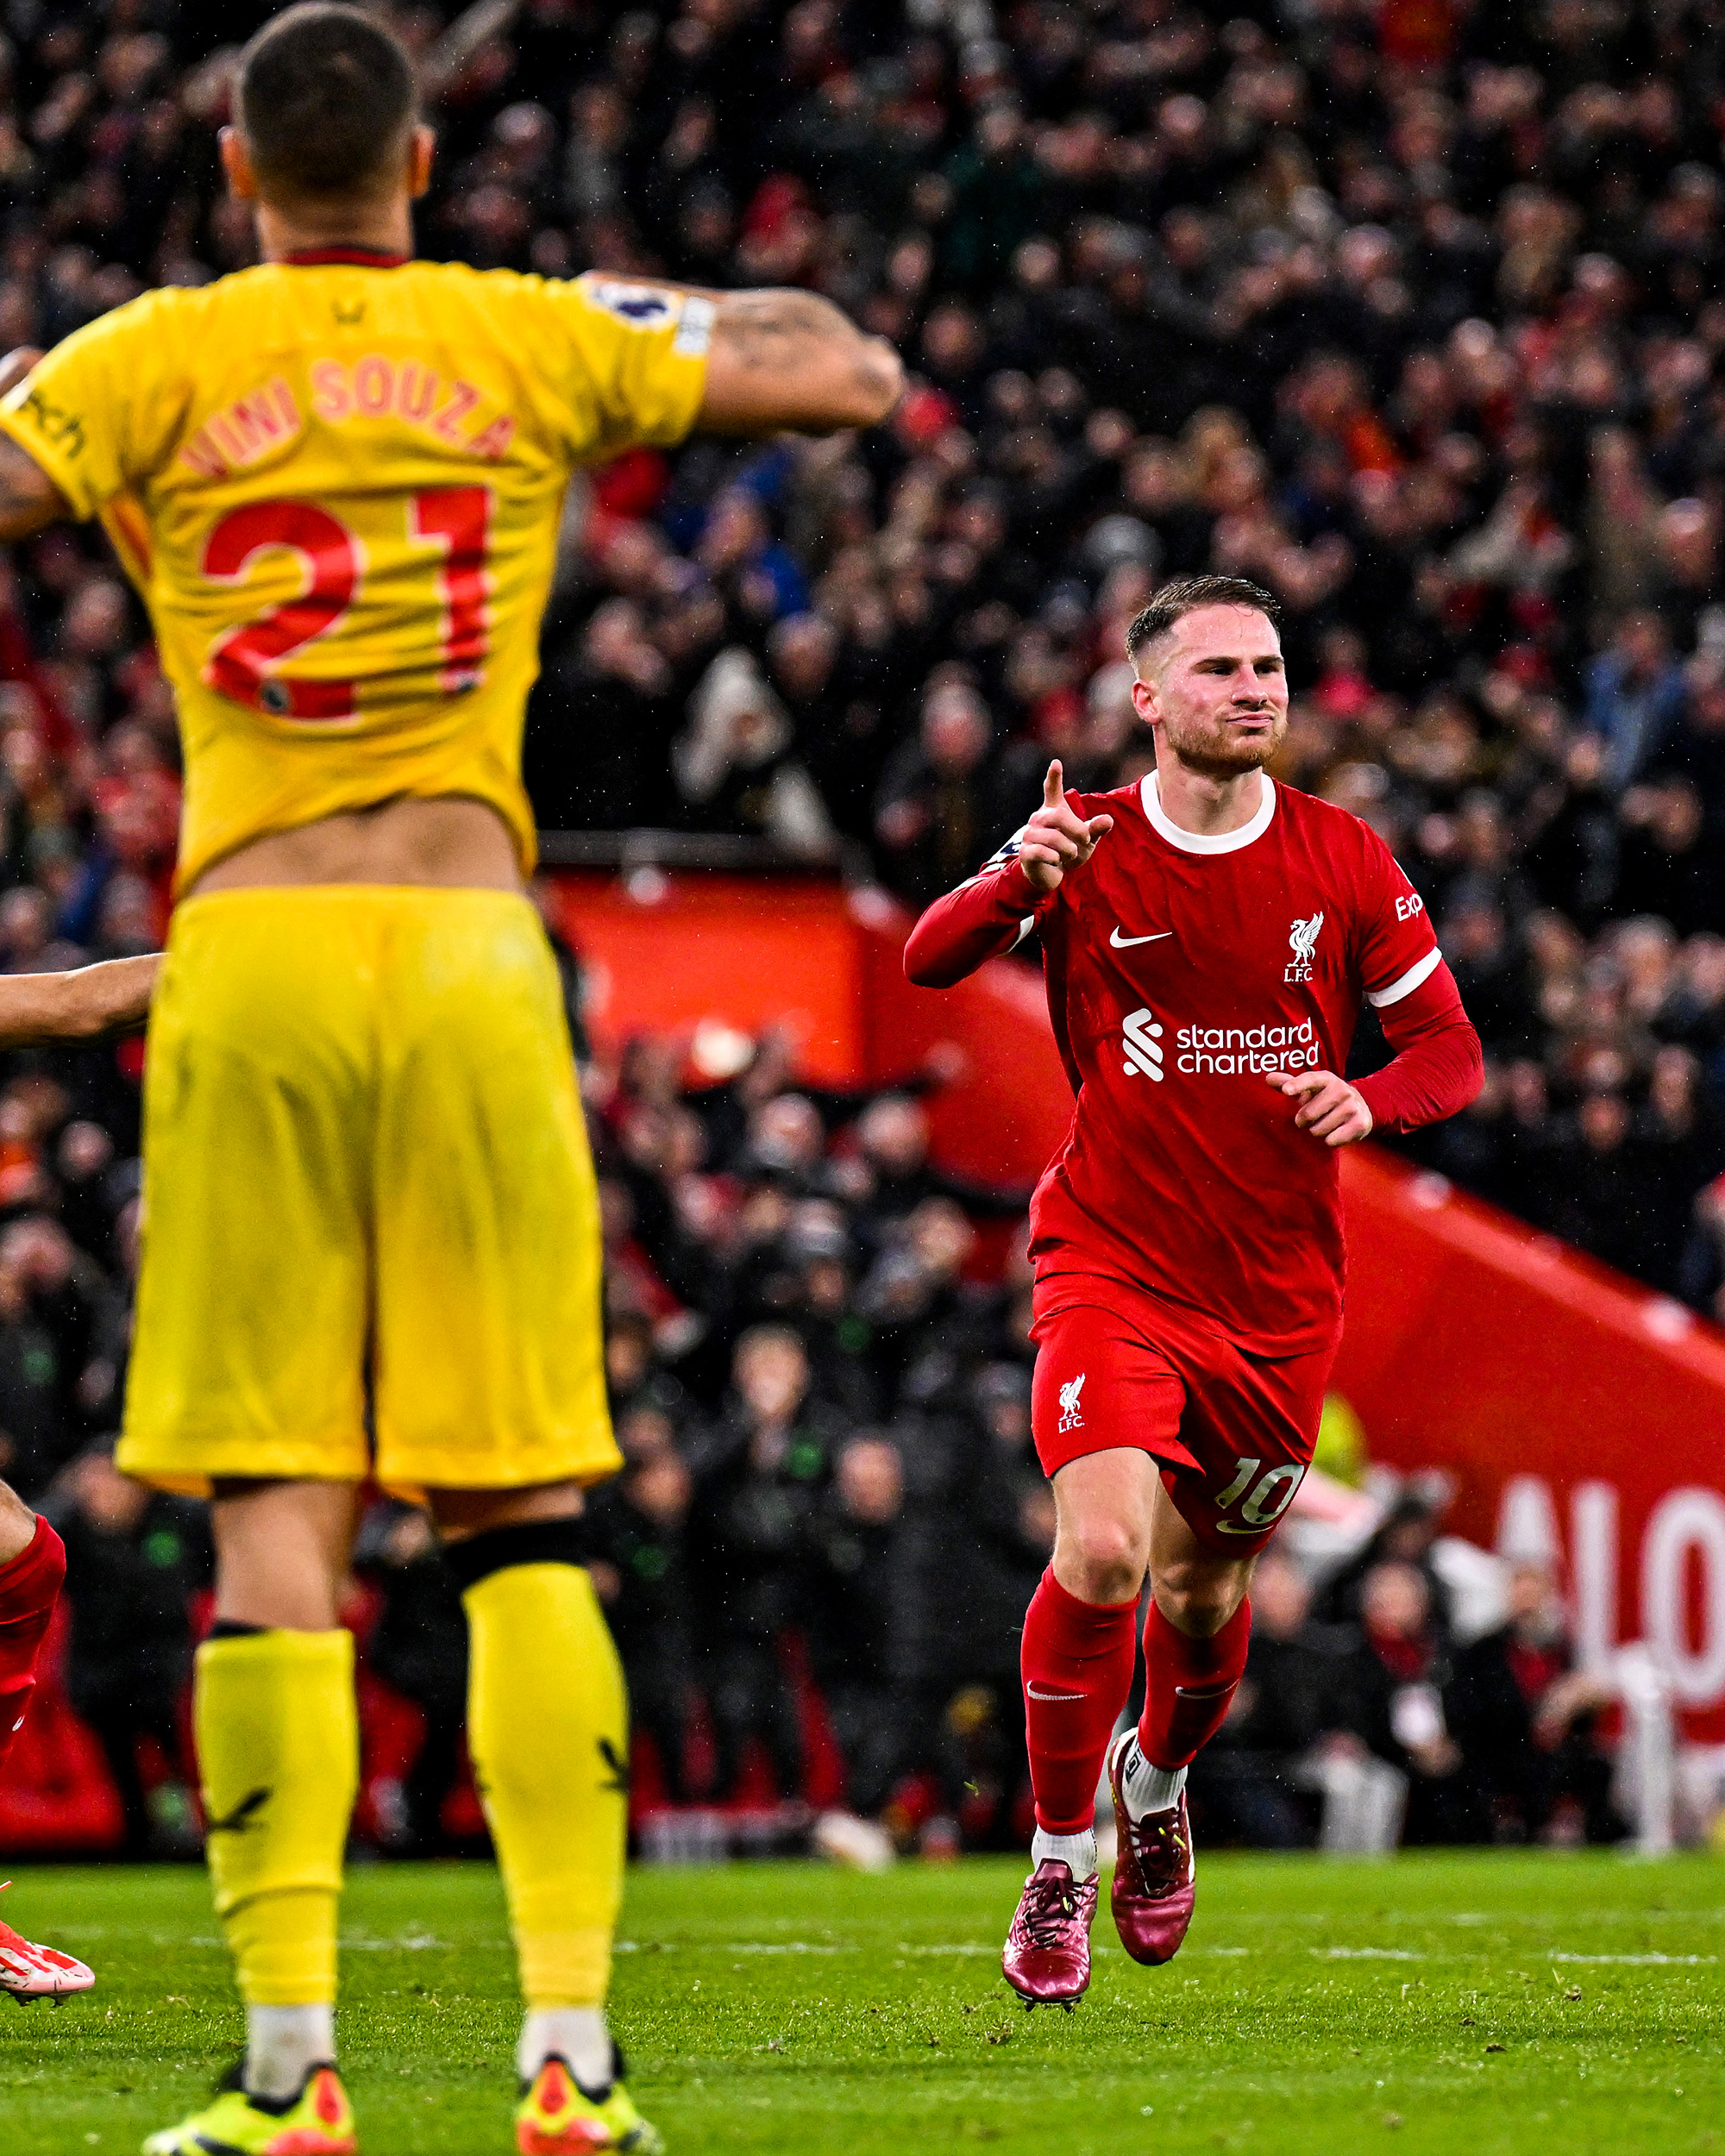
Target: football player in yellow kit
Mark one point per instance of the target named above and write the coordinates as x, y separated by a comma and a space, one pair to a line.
372, 1242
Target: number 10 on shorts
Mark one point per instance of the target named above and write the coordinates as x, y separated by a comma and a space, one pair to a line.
1271, 1495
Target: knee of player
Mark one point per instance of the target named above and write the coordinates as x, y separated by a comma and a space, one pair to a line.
1196, 1599
1107, 1555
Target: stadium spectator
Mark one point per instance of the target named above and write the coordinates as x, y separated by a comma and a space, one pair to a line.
734, 767
1526, 1720
51, 1305
419, 1645
134, 1558
758, 1472
1248, 1781
1006, 1520
1398, 1682
1405, 1537
641, 1572
856, 1608
1634, 691
940, 806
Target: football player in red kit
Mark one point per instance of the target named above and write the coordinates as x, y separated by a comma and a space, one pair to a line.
36, 1008
1207, 937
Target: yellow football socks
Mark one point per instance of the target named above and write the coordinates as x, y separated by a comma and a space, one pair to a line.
548, 1726
278, 1742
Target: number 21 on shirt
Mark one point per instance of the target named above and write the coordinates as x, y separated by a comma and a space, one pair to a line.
243, 663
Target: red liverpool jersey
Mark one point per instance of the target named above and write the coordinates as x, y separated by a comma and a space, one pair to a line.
1181, 970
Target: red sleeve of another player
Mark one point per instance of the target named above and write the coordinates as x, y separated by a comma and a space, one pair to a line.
1438, 1068
980, 920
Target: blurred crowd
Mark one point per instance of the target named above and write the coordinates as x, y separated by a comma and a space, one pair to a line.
1407, 308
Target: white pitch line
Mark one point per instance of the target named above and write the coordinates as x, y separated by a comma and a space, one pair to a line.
779, 1946
1365, 1953
1642, 1961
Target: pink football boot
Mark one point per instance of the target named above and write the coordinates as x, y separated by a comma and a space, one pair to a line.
38, 1972
1047, 1955
1155, 1876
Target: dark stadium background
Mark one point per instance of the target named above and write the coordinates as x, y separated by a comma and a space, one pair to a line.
1411, 311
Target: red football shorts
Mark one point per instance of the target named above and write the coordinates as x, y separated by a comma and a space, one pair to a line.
1234, 1431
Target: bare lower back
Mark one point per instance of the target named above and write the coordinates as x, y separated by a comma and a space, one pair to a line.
449, 841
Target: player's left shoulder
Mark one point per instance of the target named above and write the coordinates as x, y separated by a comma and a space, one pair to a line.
464, 284
601, 310
592, 323
1310, 813
636, 303
1335, 835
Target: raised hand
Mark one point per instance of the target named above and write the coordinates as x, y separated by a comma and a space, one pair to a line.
1055, 839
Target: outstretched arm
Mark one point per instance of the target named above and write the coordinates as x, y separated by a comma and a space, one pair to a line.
29, 498
791, 359
981, 920
39, 1008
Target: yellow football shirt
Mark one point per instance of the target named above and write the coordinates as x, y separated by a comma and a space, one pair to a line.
337, 482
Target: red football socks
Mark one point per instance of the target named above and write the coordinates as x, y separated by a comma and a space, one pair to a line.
1077, 1663
29, 1586
1189, 1684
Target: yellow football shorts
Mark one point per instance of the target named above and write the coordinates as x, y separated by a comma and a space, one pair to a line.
367, 1187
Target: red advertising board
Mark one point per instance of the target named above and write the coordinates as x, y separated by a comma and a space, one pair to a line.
1581, 1415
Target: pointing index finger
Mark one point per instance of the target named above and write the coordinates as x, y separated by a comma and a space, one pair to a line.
1053, 792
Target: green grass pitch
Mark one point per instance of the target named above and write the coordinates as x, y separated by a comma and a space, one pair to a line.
1480, 2004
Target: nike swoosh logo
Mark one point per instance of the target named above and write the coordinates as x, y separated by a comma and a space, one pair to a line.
1068, 1696
1124, 942
239, 1819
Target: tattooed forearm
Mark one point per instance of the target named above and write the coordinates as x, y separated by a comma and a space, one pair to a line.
792, 359
766, 326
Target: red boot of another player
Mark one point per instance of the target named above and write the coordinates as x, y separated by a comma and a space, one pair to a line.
1047, 1955
30, 1972
1155, 1876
